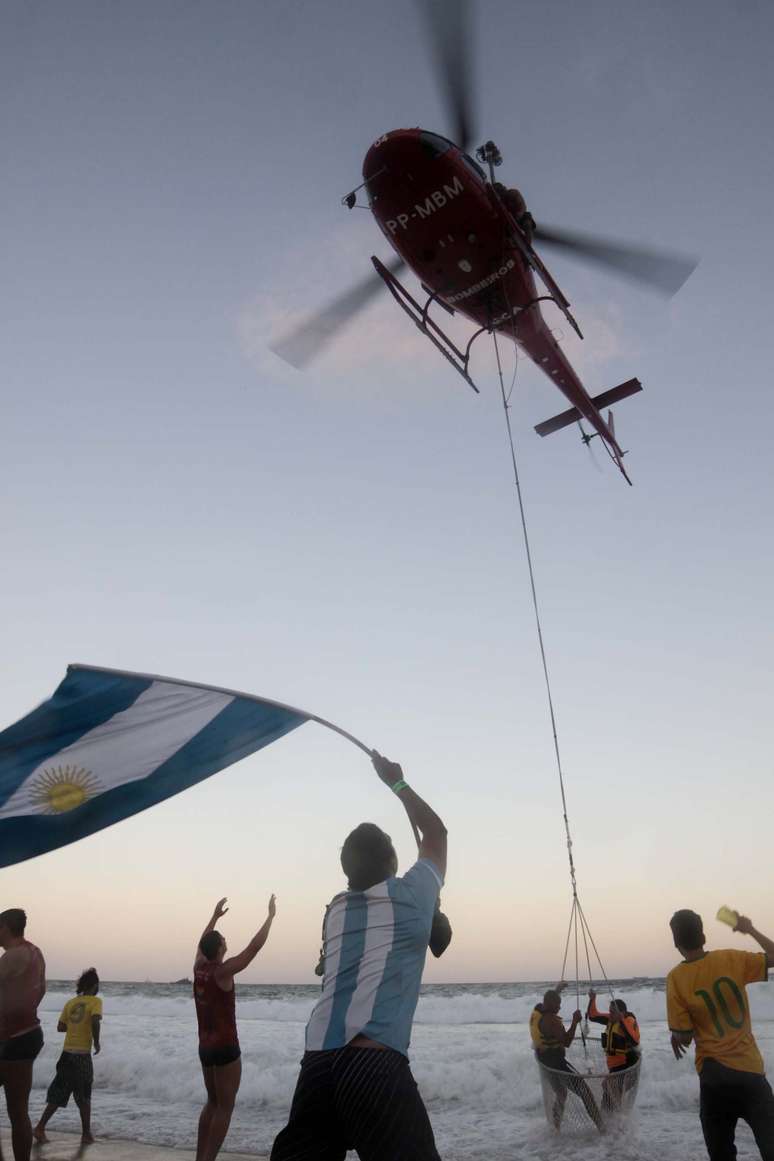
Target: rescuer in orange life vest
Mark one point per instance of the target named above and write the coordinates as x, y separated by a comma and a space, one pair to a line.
550, 1041
621, 1037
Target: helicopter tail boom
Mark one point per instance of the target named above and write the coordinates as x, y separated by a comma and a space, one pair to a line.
572, 415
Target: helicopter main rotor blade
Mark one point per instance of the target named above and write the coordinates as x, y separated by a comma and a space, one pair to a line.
305, 342
449, 28
663, 272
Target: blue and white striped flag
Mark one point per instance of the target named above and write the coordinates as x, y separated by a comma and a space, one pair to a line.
109, 744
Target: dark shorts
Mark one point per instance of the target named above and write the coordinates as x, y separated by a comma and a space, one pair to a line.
24, 1047
74, 1077
727, 1096
356, 1098
217, 1057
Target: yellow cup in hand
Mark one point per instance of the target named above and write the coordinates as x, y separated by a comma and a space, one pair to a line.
728, 915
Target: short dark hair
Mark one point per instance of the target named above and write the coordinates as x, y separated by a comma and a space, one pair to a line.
210, 943
14, 919
620, 1006
367, 857
687, 930
86, 981
551, 996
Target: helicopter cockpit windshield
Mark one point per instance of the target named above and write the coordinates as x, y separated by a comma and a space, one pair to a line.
433, 144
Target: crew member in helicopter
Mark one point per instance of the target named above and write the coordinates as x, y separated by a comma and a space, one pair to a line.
514, 202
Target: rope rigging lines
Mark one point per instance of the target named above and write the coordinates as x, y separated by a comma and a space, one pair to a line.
578, 924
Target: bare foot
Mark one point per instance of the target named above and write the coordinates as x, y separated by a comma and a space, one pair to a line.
87, 1139
40, 1136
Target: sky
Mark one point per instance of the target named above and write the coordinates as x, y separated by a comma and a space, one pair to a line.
176, 500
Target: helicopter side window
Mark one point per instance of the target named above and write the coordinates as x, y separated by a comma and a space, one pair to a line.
434, 145
471, 164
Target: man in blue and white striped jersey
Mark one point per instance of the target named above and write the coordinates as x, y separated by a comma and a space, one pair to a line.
355, 1089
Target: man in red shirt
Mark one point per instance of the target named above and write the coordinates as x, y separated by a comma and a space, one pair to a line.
219, 1050
22, 987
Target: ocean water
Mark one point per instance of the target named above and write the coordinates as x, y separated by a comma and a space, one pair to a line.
470, 1054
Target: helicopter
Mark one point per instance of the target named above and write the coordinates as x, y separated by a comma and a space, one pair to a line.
471, 242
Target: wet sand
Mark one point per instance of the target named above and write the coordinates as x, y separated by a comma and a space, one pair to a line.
67, 1147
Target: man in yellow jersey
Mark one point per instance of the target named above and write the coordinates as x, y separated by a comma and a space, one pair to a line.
81, 1019
550, 1041
707, 1002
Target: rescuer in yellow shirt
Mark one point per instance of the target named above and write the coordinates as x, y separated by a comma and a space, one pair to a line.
80, 1019
707, 1002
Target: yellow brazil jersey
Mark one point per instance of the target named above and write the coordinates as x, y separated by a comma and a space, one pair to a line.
77, 1014
708, 997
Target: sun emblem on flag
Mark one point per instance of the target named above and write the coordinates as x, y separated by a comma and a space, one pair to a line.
61, 788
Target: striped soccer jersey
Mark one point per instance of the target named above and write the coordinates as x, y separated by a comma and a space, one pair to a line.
374, 947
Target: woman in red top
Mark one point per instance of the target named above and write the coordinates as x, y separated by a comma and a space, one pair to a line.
219, 1051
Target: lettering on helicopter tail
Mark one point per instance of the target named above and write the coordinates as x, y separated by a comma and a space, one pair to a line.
482, 285
435, 201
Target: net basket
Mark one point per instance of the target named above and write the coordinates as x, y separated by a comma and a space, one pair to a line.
588, 1096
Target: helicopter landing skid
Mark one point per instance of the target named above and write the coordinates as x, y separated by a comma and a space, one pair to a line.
420, 316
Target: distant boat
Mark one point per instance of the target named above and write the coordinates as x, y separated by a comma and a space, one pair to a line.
183, 981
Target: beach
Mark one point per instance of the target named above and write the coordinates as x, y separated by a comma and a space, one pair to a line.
470, 1054
67, 1147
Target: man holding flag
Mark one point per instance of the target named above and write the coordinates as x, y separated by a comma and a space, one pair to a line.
355, 1089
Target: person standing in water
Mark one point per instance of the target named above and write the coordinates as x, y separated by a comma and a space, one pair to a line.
355, 1089
81, 1019
22, 987
550, 1041
621, 1043
707, 1002
219, 1051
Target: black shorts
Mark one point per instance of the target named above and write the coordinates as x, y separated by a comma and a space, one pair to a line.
728, 1095
356, 1098
24, 1047
217, 1057
74, 1077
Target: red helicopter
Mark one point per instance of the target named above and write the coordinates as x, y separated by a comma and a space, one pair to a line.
469, 240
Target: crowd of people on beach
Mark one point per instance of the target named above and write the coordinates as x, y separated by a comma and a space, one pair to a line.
355, 1090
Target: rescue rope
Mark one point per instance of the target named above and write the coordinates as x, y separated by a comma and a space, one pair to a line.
577, 917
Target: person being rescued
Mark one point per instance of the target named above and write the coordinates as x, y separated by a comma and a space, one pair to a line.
621, 1042
550, 1041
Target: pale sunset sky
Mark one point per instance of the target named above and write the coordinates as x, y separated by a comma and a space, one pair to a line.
178, 501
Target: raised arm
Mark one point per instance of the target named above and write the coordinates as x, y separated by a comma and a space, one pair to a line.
237, 963
745, 926
427, 822
220, 909
569, 1035
593, 1012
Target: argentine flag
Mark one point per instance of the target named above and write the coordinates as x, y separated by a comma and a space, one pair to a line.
109, 744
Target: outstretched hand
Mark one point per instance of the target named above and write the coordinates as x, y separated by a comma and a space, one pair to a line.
389, 772
592, 994
220, 908
272, 906
744, 925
